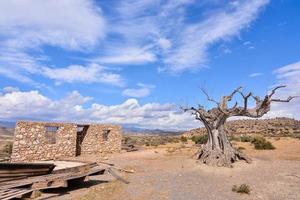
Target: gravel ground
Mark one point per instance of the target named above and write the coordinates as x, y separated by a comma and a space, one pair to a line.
160, 174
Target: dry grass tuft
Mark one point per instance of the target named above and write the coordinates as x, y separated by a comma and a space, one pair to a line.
242, 189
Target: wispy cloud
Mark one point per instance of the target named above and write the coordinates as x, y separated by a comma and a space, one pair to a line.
165, 29
131, 55
287, 75
93, 73
25, 30
194, 40
131, 32
24, 24
249, 45
142, 90
253, 75
9, 89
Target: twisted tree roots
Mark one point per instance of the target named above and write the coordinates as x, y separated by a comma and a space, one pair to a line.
215, 157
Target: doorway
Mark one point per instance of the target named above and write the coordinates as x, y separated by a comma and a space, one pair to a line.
81, 132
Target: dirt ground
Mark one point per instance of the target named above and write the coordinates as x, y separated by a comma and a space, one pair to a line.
169, 172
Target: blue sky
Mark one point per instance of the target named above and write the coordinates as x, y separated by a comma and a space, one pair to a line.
133, 62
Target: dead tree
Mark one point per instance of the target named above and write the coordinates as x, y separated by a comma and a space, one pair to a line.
218, 151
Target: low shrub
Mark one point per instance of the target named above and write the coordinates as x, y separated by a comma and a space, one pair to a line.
199, 139
183, 139
233, 138
149, 140
129, 140
242, 189
246, 138
261, 143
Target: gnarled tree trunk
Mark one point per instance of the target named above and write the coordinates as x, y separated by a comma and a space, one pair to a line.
218, 151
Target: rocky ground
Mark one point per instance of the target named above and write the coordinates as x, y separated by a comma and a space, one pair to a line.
169, 172
268, 127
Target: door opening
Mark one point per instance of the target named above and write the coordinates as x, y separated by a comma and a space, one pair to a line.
81, 132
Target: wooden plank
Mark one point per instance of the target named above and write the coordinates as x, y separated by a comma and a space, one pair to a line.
117, 176
14, 171
54, 180
21, 174
2, 192
76, 168
50, 184
12, 178
14, 194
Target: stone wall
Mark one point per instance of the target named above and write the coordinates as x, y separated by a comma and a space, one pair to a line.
267, 127
94, 141
30, 142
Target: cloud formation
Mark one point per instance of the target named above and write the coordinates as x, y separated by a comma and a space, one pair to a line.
30, 23
253, 75
142, 90
164, 28
287, 75
128, 32
33, 105
26, 27
92, 73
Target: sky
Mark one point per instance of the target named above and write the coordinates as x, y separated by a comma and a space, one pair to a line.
135, 62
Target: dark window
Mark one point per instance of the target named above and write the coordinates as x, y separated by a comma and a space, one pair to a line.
50, 134
105, 134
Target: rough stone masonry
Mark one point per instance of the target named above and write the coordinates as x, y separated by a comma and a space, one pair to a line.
35, 141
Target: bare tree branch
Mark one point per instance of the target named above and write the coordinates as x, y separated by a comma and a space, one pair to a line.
234, 92
218, 150
208, 97
223, 106
274, 90
245, 97
233, 107
284, 100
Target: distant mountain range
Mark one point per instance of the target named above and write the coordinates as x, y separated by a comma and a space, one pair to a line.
7, 124
6, 128
134, 130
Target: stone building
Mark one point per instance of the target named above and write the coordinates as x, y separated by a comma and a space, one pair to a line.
50, 140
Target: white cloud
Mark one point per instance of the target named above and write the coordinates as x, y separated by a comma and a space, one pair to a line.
190, 52
253, 75
164, 43
247, 43
65, 23
149, 31
33, 105
143, 90
14, 74
27, 26
92, 73
289, 76
130, 55
9, 89
181, 45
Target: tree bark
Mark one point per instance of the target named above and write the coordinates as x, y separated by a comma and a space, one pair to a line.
218, 150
